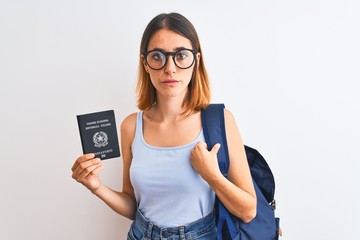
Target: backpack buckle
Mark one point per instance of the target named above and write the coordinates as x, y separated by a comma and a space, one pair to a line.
273, 204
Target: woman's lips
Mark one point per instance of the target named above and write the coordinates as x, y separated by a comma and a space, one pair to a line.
170, 81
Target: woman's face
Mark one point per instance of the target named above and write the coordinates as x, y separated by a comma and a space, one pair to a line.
170, 81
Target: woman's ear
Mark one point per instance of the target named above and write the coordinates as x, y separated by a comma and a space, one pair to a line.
144, 64
198, 57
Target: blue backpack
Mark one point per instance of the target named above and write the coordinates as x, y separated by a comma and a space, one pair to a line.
264, 226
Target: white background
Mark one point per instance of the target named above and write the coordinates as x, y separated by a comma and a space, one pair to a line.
288, 70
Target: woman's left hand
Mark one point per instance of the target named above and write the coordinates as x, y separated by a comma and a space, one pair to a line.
205, 162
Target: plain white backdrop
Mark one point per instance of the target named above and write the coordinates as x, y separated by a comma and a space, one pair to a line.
288, 71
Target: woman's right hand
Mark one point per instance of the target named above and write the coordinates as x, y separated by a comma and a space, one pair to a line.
85, 171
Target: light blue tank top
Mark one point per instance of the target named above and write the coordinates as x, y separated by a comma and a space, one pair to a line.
168, 191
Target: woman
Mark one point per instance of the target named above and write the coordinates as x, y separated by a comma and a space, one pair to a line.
170, 178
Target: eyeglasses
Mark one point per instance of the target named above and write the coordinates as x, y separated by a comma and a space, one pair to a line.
157, 59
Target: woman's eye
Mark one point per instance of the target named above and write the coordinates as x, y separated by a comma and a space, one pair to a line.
157, 56
181, 55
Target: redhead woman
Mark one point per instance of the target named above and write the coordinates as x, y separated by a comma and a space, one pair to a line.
170, 176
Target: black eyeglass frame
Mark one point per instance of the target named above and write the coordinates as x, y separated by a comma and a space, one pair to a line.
167, 54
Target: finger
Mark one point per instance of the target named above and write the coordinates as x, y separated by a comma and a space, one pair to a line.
201, 144
82, 159
97, 170
88, 172
84, 165
216, 148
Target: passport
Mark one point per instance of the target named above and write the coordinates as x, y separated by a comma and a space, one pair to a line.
98, 134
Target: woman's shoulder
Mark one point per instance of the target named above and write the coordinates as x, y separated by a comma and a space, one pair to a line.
128, 125
230, 121
228, 115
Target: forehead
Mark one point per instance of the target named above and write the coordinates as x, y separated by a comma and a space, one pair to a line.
168, 40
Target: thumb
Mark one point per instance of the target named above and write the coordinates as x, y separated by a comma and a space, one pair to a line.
216, 148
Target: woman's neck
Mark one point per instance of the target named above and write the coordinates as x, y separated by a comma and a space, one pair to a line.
170, 109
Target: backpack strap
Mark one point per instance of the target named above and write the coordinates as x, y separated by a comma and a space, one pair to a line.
213, 122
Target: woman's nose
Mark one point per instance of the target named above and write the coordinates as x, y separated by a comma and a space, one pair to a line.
170, 66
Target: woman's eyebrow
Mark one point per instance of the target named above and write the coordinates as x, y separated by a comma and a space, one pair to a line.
174, 50
180, 48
